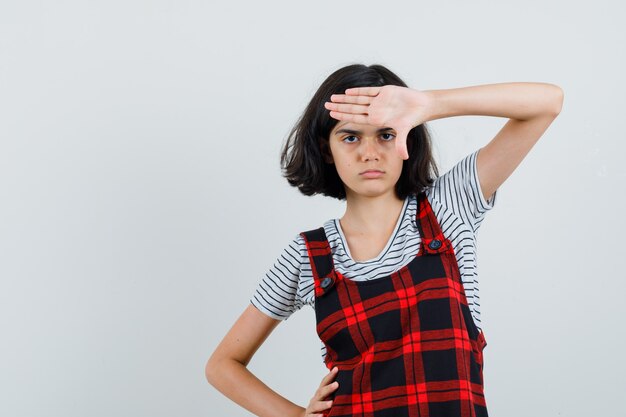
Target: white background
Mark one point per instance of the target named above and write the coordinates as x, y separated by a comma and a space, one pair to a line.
141, 198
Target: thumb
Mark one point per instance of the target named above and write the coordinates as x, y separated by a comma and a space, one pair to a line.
401, 147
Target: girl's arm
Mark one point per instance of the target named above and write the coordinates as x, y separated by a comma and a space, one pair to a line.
531, 108
227, 369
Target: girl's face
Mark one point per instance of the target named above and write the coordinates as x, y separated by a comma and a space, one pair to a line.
358, 147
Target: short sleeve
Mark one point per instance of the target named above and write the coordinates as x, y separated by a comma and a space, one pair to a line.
460, 189
276, 293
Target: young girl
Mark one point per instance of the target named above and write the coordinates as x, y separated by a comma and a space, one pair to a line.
393, 282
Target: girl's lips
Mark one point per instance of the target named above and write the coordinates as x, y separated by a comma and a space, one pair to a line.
372, 174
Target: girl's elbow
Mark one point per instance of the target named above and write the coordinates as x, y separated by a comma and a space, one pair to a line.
558, 100
208, 370
211, 370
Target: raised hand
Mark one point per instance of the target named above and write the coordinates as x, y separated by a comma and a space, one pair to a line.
400, 108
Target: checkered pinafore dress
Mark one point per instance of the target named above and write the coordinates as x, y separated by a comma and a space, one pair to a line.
405, 344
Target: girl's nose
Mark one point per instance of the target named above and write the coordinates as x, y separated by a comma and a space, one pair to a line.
370, 149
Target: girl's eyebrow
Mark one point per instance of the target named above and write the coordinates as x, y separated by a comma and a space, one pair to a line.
358, 132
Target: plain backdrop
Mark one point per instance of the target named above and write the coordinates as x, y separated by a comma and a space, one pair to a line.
141, 198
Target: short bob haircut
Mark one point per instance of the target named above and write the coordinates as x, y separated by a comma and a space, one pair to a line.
306, 150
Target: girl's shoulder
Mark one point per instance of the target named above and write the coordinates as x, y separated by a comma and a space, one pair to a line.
458, 191
279, 291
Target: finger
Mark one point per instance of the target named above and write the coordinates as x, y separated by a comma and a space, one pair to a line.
319, 406
401, 146
356, 118
365, 91
329, 377
346, 108
323, 408
342, 98
328, 389
323, 405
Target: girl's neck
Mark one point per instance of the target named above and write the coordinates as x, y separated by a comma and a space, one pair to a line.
371, 215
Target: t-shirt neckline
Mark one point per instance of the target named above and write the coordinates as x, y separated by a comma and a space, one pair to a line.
344, 244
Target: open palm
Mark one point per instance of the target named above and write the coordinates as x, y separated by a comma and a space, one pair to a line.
400, 108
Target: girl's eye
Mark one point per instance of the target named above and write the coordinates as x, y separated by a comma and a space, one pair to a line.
390, 137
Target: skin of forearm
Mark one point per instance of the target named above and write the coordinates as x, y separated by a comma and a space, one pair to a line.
516, 100
236, 382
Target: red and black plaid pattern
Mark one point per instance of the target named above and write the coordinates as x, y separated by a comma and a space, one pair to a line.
405, 344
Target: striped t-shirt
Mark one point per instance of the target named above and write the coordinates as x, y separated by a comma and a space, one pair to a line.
458, 204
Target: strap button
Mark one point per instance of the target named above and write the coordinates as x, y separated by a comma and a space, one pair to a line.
435, 244
326, 282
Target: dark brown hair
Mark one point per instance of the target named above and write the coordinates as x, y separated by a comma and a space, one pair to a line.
302, 157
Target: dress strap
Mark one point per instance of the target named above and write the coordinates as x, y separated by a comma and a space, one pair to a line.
321, 259
432, 238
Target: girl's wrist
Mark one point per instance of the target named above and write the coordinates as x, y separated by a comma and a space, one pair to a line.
424, 106
434, 108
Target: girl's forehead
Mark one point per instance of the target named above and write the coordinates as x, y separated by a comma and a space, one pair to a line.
358, 127
355, 126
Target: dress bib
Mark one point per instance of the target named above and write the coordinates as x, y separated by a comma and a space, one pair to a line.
406, 344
